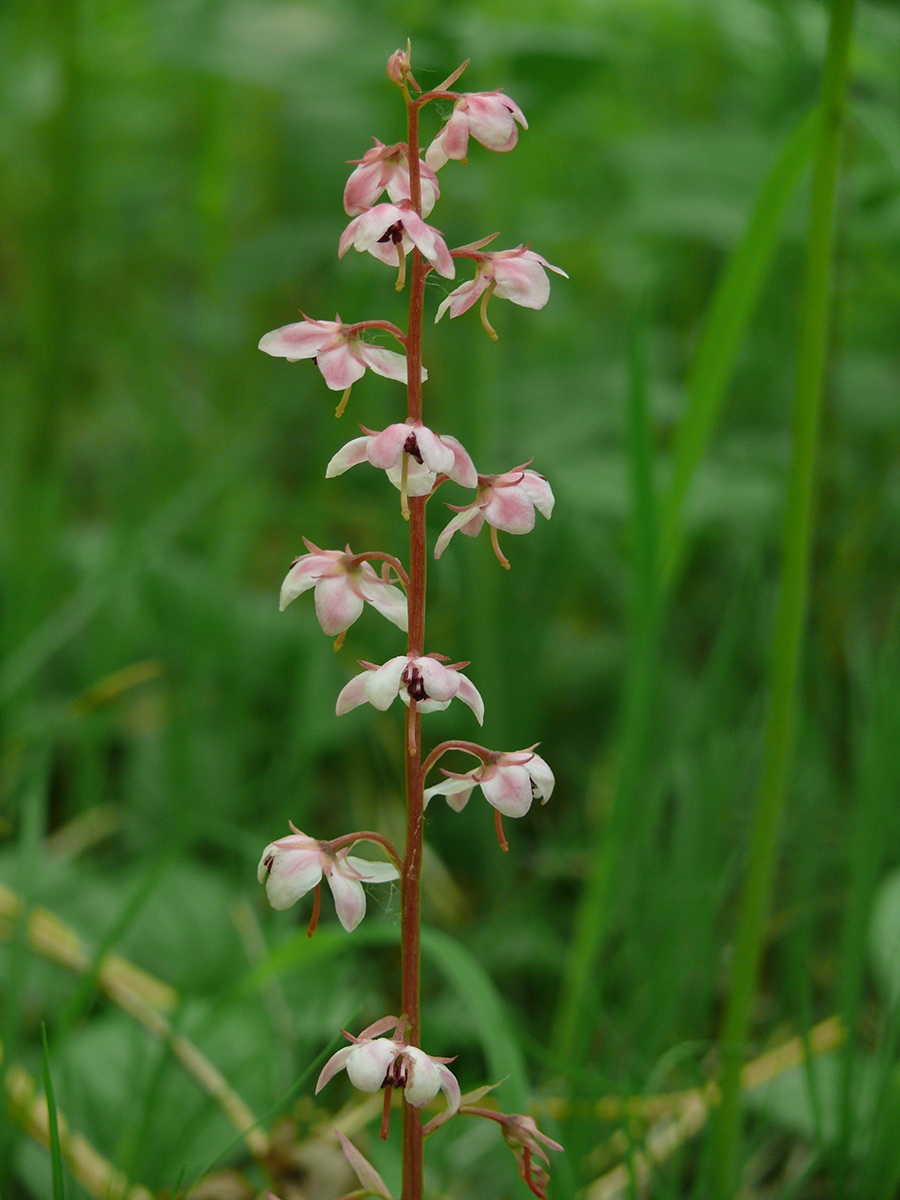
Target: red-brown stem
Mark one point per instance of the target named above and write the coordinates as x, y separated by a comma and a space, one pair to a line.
381, 556
410, 918
472, 748
366, 835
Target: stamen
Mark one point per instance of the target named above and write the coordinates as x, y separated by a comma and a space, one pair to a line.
343, 404
339, 641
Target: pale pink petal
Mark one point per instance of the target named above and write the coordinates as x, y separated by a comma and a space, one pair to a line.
303, 339
388, 363
304, 574
336, 1063
339, 365
390, 601
349, 898
337, 604
367, 1065
542, 776
365, 185
457, 792
385, 448
291, 875
510, 509
419, 480
348, 456
369, 871
348, 235
352, 694
468, 521
462, 298
440, 683
455, 134
508, 789
383, 685
491, 122
463, 469
538, 491
450, 1088
372, 224
423, 1080
435, 455
522, 281
470, 695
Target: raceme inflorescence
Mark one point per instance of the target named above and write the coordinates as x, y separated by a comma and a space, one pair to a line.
389, 197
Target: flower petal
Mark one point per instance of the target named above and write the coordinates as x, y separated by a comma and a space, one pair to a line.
423, 1079
508, 789
303, 339
368, 1064
510, 509
349, 897
304, 574
468, 521
355, 451
469, 694
370, 871
383, 684
337, 604
352, 694
340, 367
388, 363
390, 601
336, 1063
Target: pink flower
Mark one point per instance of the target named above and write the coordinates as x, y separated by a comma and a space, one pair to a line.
339, 351
506, 502
387, 167
294, 865
518, 275
522, 1135
410, 452
343, 584
423, 679
387, 228
509, 781
490, 117
375, 1062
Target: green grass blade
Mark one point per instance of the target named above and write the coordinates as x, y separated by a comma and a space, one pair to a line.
730, 312
792, 603
56, 1163
476, 990
731, 309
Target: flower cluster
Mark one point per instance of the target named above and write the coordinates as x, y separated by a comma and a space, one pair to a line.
389, 194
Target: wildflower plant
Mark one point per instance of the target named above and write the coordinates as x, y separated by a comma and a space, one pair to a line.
389, 1053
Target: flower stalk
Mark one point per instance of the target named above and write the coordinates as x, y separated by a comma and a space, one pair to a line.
418, 462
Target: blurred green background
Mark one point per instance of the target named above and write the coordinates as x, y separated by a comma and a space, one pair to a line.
172, 189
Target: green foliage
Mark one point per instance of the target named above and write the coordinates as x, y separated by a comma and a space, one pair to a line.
172, 192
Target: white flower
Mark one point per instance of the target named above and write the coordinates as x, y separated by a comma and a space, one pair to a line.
509, 781
294, 865
408, 451
375, 1062
423, 679
343, 585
